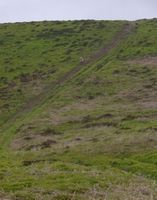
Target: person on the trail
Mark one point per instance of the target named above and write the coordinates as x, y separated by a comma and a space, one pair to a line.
82, 59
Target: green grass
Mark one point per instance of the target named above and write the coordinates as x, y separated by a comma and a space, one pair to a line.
33, 54
95, 135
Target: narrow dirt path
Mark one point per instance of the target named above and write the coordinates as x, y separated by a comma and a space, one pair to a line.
34, 102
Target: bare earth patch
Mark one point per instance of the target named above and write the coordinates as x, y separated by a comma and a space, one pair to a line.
4, 197
152, 60
148, 104
33, 142
136, 189
139, 190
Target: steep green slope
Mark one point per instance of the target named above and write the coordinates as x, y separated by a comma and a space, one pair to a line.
94, 135
33, 54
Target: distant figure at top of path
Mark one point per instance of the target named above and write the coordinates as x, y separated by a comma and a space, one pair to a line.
82, 60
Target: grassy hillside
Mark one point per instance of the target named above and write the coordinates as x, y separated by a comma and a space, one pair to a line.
33, 54
78, 130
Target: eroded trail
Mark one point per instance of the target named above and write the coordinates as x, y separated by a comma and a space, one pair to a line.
50, 89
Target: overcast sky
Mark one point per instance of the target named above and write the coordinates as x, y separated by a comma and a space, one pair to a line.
35, 10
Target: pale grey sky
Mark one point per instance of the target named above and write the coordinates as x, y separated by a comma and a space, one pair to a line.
36, 10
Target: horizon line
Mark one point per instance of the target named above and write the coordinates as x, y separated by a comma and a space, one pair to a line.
83, 19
